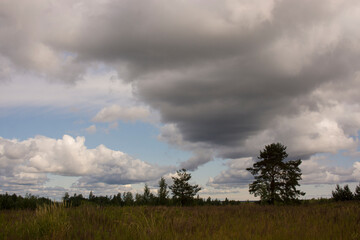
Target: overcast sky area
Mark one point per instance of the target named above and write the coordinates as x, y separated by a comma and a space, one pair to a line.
107, 95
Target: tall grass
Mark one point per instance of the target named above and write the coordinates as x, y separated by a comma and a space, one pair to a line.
247, 221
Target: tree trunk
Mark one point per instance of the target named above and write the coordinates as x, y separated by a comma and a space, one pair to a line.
272, 191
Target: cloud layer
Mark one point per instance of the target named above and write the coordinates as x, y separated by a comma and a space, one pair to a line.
227, 76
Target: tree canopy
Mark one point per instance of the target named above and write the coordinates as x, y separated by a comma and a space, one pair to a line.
182, 190
275, 178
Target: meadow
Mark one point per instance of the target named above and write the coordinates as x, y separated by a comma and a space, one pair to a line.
330, 220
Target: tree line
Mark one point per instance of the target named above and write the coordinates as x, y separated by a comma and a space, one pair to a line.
345, 194
183, 194
14, 201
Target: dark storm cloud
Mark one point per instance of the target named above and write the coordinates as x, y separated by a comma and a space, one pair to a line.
228, 75
219, 78
229, 102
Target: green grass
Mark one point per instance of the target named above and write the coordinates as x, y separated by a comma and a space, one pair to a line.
247, 221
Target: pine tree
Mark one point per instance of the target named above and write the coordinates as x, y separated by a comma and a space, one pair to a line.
357, 192
148, 197
128, 198
91, 196
182, 190
163, 192
275, 179
342, 194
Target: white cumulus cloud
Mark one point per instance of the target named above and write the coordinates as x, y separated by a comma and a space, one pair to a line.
27, 163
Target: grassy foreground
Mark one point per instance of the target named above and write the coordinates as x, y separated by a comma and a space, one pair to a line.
247, 221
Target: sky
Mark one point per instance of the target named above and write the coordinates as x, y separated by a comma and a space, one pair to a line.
109, 95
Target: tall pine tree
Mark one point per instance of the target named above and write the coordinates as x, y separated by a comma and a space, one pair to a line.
275, 178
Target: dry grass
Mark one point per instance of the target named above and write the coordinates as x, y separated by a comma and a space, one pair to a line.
247, 221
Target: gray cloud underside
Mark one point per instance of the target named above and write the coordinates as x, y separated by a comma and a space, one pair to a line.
229, 75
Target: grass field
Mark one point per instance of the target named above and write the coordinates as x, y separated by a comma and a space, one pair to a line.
337, 220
